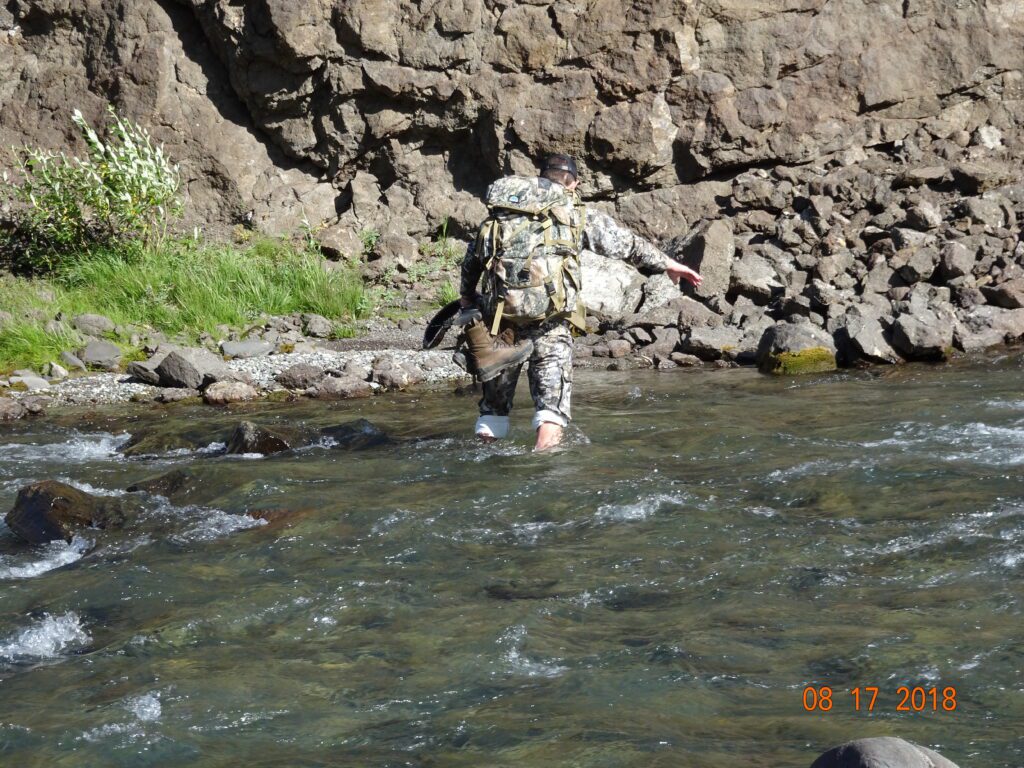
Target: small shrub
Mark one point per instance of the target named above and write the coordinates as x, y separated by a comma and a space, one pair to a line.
446, 294
369, 238
124, 191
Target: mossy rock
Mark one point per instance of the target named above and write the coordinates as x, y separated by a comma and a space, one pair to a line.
812, 360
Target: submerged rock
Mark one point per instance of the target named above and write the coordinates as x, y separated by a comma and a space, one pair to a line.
522, 589
357, 435
881, 752
173, 485
154, 443
250, 438
51, 510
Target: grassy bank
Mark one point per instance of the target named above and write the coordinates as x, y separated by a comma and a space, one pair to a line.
182, 289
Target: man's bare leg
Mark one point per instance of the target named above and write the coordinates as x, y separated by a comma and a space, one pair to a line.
548, 436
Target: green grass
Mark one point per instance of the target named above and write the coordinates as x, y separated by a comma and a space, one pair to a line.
183, 289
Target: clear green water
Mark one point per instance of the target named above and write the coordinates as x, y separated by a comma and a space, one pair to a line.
658, 594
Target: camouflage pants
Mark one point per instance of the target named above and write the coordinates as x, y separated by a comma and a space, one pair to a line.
550, 376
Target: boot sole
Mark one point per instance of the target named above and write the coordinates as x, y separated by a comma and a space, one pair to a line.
493, 371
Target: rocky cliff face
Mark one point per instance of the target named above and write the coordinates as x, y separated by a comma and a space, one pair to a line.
395, 114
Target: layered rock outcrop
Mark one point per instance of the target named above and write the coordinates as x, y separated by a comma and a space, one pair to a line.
394, 115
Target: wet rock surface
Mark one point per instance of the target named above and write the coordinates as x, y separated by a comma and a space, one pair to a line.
881, 752
250, 438
51, 510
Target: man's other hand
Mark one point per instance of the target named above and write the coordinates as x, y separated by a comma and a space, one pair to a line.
677, 271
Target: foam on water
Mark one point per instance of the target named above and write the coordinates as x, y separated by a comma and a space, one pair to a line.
46, 638
56, 554
145, 708
78, 449
516, 661
216, 523
640, 510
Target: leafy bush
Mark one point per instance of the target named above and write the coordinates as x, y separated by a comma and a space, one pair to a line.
124, 191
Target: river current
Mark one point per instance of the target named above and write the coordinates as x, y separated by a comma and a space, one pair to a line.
664, 591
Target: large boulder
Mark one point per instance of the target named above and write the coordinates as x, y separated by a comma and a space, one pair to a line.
709, 248
923, 335
93, 325
51, 510
342, 388
145, 370
859, 336
300, 376
102, 355
191, 368
611, 288
245, 349
793, 348
1008, 295
881, 752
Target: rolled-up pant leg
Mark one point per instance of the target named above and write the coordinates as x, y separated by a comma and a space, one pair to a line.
550, 375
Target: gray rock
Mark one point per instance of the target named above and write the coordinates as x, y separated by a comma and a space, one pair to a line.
986, 212
250, 438
709, 249
955, 260
50, 511
317, 326
176, 395
102, 355
754, 277
922, 335
246, 349
30, 383
11, 410
93, 325
1008, 295
881, 752
859, 335
659, 291
190, 368
924, 216
227, 392
56, 372
300, 376
611, 288
975, 178
71, 361
343, 388
710, 343
915, 264
796, 348
911, 238
145, 370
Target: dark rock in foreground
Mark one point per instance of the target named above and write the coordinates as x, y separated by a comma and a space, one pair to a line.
11, 409
881, 752
357, 435
250, 438
50, 510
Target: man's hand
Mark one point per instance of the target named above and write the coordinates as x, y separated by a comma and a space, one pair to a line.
677, 271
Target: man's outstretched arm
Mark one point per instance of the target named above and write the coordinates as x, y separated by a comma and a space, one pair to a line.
606, 237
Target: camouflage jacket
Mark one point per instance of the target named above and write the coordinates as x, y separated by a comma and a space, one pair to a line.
601, 234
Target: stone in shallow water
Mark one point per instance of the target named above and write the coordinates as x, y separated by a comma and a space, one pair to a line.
11, 409
250, 438
357, 435
794, 348
50, 510
881, 752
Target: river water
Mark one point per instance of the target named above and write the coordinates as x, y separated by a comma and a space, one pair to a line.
662, 592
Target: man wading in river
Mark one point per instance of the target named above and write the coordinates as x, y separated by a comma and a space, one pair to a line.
528, 251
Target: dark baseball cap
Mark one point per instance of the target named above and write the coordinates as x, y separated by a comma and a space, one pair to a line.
565, 163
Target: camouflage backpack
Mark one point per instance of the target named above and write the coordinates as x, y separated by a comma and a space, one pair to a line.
530, 244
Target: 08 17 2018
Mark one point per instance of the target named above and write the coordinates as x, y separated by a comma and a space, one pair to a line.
866, 698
